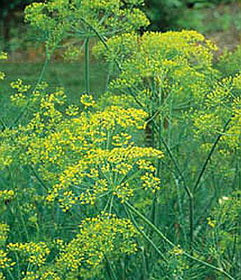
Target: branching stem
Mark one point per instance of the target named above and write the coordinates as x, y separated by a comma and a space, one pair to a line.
169, 242
204, 167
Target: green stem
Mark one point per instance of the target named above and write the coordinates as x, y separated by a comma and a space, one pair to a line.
23, 222
110, 270
144, 264
23, 111
187, 189
10, 274
17, 263
110, 71
204, 167
111, 204
87, 65
144, 234
38, 178
169, 242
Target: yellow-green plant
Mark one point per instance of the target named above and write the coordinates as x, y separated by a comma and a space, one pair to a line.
223, 236
82, 20
80, 157
172, 76
58, 19
82, 154
84, 195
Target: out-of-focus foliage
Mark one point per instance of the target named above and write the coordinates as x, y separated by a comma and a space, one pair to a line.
202, 15
8, 6
230, 61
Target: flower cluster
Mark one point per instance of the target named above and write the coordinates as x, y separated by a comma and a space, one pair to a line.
35, 253
5, 261
86, 155
58, 19
99, 238
157, 65
221, 105
3, 55
4, 229
6, 195
41, 275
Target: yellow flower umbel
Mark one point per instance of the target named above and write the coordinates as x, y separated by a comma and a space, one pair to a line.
19, 98
6, 195
41, 275
87, 100
83, 156
35, 253
157, 68
101, 237
60, 19
4, 230
211, 223
219, 113
5, 261
3, 56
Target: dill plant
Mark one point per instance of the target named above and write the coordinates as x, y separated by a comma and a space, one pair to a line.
84, 195
83, 20
82, 162
173, 77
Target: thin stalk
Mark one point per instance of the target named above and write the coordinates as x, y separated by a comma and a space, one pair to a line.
111, 204
23, 222
144, 264
100, 37
153, 208
169, 242
107, 203
38, 178
232, 257
110, 71
21, 114
144, 234
204, 167
187, 189
159, 162
179, 201
158, 171
10, 274
17, 262
4, 126
87, 65
110, 270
